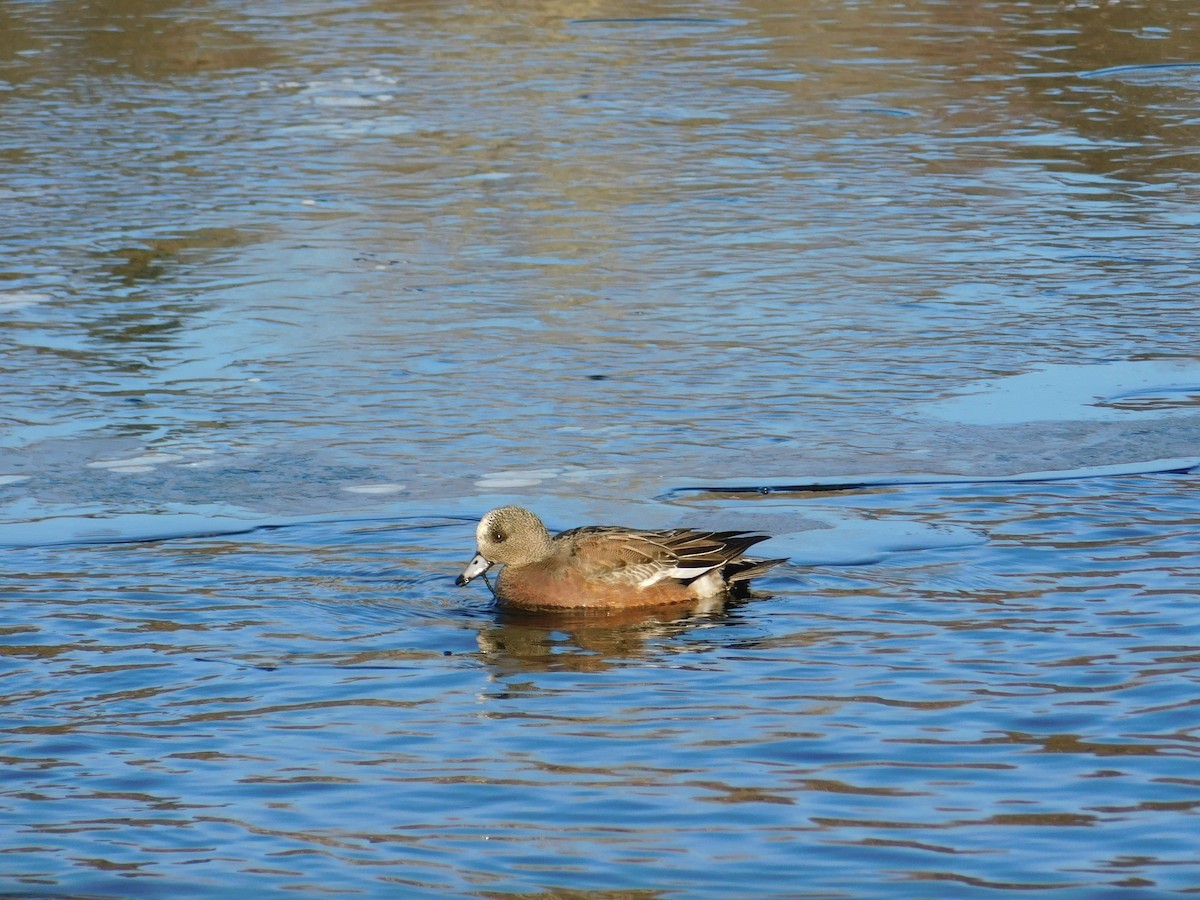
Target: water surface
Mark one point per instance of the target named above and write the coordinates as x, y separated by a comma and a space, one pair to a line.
290, 296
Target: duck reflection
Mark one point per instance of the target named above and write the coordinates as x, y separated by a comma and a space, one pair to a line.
581, 641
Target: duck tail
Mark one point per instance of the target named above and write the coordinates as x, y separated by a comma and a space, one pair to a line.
745, 569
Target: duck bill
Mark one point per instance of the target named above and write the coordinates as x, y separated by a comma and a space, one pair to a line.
476, 567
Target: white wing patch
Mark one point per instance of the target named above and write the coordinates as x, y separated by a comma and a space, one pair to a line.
681, 571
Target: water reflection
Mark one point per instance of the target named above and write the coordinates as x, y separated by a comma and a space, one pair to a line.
147, 38
532, 641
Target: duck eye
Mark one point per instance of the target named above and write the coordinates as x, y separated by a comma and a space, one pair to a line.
498, 536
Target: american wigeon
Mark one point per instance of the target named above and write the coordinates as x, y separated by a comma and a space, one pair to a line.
607, 566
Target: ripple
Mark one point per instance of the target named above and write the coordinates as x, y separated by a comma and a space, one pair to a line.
1147, 73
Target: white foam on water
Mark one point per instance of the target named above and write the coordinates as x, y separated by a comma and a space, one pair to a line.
144, 463
540, 474
512, 481
373, 488
380, 126
184, 456
515, 478
344, 99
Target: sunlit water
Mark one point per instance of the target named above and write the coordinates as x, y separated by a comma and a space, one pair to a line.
291, 296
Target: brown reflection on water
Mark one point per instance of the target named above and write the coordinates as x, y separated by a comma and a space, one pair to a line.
149, 38
1004, 79
588, 641
148, 262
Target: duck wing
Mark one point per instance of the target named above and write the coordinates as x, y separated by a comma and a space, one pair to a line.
643, 558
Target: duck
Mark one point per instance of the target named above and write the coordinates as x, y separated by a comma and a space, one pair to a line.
608, 566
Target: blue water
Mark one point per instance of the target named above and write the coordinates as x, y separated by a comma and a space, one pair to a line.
290, 296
